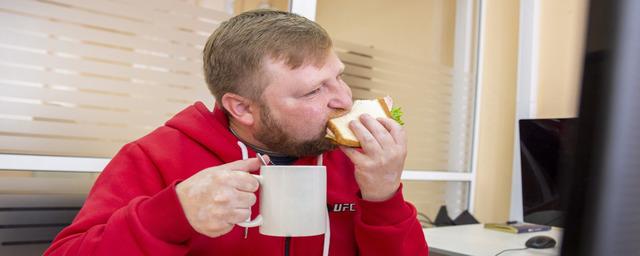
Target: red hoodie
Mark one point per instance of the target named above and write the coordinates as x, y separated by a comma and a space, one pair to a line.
133, 208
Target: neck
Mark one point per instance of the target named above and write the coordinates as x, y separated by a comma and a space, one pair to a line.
246, 136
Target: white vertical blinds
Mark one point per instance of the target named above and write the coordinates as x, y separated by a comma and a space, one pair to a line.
82, 78
424, 91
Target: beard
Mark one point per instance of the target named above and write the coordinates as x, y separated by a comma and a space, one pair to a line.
273, 135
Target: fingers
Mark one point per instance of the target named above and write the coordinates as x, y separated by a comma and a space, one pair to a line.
239, 215
220, 196
395, 129
366, 139
370, 131
244, 200
377, 130
244, 181
246, 165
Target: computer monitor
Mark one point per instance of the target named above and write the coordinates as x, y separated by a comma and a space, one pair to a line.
603, 216
545, 144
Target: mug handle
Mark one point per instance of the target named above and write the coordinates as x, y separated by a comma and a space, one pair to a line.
258, 220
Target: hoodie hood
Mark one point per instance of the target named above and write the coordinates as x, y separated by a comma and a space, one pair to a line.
211, 130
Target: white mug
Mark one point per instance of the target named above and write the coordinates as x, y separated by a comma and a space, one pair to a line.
292, 201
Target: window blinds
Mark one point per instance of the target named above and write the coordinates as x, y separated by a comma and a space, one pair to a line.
82, 78
426, 93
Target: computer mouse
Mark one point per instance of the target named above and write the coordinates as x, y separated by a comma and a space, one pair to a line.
540, 242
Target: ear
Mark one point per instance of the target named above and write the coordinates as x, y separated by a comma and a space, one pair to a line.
240, 108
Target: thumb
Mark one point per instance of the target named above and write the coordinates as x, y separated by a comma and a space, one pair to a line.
246, 165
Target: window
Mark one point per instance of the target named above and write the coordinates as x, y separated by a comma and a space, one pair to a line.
422, 54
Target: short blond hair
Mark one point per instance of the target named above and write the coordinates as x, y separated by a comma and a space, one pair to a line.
234, 53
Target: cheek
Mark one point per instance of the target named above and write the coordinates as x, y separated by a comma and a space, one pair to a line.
302, 120
310, 121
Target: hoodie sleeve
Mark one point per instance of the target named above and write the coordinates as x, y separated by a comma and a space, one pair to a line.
129, 211
390, 227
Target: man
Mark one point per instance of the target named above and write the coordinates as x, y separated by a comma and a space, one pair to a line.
181, 189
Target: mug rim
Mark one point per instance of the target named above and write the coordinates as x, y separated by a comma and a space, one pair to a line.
293, 166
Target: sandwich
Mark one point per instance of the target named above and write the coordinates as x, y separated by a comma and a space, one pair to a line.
338, 130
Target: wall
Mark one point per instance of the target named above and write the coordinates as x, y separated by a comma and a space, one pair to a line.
497, 75
246, 5
562, 27
561, 31
415, 19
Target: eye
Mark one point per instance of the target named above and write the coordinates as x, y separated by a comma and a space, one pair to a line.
316, 91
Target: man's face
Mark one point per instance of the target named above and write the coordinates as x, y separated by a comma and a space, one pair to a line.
297, 104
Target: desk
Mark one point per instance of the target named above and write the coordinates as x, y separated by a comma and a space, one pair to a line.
476, 240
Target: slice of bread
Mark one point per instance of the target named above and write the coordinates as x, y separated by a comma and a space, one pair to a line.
338, 128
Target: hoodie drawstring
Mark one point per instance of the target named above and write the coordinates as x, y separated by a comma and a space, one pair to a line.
243, 149
327, 232
245, 156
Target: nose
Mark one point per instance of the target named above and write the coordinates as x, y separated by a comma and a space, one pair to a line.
341, 98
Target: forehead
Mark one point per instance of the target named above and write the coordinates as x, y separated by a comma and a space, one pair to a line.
279, 72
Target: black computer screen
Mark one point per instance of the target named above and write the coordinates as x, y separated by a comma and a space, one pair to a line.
544, 147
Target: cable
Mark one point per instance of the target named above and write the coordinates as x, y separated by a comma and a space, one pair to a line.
425, 216
424, 220
515, 249
425, 224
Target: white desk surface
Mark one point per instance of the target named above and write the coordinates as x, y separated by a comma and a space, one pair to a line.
474, 239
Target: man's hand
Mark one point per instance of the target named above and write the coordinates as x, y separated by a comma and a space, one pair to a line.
217, 198
380, 162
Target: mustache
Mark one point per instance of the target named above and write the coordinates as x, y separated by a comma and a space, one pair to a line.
337, 113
